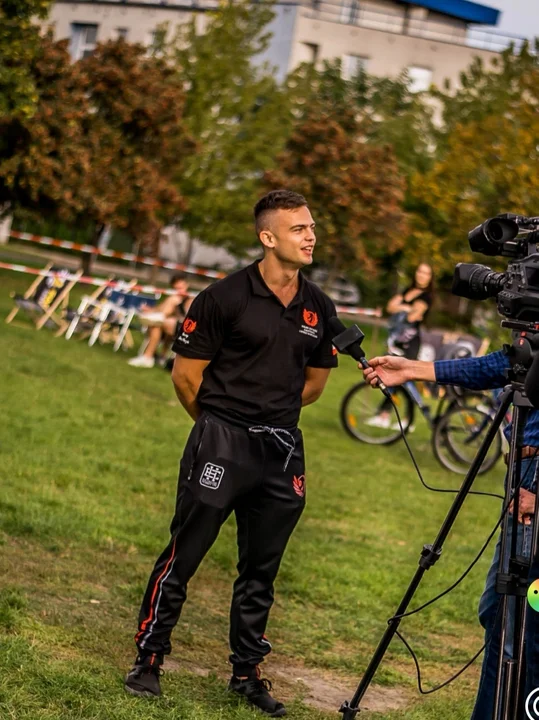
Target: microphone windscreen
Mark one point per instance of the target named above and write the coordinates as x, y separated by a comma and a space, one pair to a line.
336, 326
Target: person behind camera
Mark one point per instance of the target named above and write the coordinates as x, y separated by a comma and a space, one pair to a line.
484, 373
407, 311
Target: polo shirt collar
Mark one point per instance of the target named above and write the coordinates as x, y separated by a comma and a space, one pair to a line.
259, 287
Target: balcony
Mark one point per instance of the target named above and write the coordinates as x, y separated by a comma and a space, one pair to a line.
354, 13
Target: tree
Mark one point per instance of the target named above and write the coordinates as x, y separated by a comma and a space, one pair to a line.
489, 166
104, 143
390, 114
239, 117
138, 139
19, 44
43, 156
485, 91
354, 189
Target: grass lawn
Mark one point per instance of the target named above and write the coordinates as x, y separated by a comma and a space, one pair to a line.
89, 453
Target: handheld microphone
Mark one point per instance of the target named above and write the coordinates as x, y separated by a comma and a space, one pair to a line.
348, 341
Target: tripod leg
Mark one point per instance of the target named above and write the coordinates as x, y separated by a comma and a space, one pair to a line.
429, 556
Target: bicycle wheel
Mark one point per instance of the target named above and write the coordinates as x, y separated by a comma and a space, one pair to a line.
368, 416
458, 436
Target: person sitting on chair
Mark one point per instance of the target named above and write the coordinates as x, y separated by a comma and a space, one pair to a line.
163, 321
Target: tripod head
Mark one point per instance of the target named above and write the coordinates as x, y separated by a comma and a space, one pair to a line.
523, 355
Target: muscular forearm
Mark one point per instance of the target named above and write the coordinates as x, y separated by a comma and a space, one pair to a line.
310, 394
188, 401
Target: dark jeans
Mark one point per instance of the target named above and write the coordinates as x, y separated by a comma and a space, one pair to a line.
490, 616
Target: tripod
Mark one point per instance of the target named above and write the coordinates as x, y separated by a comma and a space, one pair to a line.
512, 576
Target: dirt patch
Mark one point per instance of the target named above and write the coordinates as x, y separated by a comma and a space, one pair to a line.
321, 689
327, 691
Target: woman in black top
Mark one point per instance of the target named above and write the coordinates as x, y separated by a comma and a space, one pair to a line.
407, 311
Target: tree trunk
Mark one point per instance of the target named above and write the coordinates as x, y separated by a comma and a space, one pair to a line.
188, 252
88, 258
5, 228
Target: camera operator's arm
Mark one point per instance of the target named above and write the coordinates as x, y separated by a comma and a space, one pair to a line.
479, 373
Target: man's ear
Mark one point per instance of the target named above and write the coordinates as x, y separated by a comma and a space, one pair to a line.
267, 238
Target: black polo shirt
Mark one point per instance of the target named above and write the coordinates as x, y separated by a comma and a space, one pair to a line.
258, 348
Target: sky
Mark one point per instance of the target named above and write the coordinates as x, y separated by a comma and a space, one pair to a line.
520, 17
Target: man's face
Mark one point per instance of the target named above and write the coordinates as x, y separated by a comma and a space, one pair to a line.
290, 236
180, 287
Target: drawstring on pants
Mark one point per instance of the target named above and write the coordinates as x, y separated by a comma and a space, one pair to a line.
287, 441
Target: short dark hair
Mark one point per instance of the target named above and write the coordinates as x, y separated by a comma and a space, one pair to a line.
176, 278
276, 200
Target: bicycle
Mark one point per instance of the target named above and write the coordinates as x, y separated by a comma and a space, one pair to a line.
458, 426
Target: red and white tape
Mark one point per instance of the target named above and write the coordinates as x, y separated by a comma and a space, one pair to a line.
152, 290
87, 280
68, 245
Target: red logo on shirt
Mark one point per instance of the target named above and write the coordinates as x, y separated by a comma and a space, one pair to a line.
189, 325
299, 485
310, 317
334, 350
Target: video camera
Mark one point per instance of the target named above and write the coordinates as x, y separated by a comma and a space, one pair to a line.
516, 290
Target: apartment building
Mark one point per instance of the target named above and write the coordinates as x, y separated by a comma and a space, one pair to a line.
433, 39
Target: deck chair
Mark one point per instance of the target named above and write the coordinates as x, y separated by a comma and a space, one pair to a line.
116, 316
133, 310
85, 317
47, 298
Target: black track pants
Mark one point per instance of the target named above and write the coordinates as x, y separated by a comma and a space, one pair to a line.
226, 468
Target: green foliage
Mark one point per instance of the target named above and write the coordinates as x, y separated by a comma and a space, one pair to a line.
486, 91
237, 113
487, 161
19, 44
353, 188
104, 143
389, 113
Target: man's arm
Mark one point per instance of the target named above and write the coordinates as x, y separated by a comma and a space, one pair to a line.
394, 370
478, 373
315, 382
187, 378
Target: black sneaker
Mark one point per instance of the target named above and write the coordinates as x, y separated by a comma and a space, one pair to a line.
143, 679
256, 692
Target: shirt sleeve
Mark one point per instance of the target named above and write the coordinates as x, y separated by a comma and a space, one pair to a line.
202, 332
325, 355
480, 373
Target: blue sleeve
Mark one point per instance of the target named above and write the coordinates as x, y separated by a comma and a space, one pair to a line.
481, 373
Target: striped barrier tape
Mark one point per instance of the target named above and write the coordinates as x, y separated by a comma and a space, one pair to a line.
68, 245
152, 290
86, 280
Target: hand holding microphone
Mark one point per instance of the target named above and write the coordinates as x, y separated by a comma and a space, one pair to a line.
391, 369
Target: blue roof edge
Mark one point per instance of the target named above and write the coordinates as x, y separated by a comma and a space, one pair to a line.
462, 9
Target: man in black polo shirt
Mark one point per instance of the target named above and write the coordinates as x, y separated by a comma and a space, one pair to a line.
253, 350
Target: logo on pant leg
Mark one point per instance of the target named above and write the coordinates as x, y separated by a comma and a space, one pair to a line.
299, 485
212, 475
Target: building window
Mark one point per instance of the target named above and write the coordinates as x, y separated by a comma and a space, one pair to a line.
83, 40
121, 33
312, 52
352, 65
420, 78
350, 11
